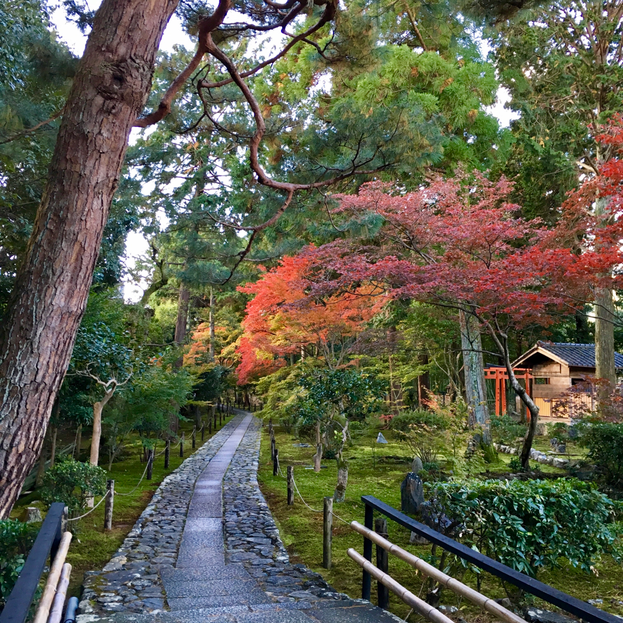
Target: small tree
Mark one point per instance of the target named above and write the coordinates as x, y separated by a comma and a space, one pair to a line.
332, 399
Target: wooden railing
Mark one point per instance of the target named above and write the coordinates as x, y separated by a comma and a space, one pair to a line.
572, 605
46, 544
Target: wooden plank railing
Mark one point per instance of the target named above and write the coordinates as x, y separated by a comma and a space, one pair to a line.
577, 607
46, 544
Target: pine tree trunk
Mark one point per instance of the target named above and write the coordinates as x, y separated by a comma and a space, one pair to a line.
78, 447
108, 92
473, 365
41, 466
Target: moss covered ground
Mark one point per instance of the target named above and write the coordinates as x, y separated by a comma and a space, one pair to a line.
378, 470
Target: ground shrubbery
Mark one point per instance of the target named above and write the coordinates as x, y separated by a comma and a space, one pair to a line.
73, 483
16, 539
605, 449
506, 430
532, 525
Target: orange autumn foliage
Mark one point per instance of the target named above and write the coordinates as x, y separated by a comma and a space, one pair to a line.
282, 320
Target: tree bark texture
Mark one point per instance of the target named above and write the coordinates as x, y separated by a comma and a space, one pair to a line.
98, 407
342, 481
212, 326
474, 369
604, 335
52, 286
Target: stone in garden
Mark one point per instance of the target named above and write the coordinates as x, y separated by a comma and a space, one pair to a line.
553, 442
416, 466
33, 515
562, 448
536, 615
411, 494
541, 430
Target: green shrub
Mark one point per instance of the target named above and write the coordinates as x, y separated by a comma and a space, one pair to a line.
558, 431
505, 430
404, 421
16, 539
73, 483
532, 525
605, 449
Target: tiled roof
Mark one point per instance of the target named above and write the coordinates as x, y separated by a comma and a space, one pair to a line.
580, 355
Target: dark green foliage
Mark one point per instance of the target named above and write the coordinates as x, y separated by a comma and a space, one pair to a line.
506, 430
16, 539
405, 420
343, 393
211, 383
72, 483
535, 524
605, 449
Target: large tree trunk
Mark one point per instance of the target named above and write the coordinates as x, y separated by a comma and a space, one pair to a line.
474, 369
52, 286
604, 324
604, 336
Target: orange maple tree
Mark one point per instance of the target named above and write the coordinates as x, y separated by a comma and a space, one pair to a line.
283, 320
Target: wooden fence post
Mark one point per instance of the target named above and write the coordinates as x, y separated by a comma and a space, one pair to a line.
194, 438
382, 562
203, 425
182, 446
327, 532
167, 454
273, 448
276, 462
109, 504
150, 464
290, 485
210, 424
213, 416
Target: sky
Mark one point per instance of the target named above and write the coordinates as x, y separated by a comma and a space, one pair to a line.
136, 244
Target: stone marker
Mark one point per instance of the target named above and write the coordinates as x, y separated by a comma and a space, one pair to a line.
411, 494
416, 466
33, 515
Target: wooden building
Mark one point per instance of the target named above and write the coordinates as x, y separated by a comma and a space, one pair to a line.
549, 370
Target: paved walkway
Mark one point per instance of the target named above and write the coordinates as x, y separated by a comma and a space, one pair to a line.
225, 563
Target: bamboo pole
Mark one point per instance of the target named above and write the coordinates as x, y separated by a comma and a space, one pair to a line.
50, 586
419, 605
56, 612
439, 576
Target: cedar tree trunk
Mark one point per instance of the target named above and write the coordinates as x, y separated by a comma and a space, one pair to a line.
474, 368
604, 336
52, 286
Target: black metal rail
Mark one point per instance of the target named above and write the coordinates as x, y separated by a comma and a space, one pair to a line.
565, 602
47, 542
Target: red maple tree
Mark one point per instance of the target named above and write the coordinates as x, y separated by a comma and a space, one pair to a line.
461, 244
283, 320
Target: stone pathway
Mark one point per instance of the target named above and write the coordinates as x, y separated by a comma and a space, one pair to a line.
212, 553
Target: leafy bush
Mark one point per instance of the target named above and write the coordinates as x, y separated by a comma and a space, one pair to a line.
16, 539
405, 420
532, 525
505, 430
73, 483
558, 431
605, 449
423, 432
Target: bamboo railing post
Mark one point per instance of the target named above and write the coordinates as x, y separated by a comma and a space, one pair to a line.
56, 613
167, 454
109, 504
276, 462
382, 562
53, 578
327, 532
366, 580
290, 485
150, 464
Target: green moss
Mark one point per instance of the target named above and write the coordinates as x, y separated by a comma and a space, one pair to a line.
301, 528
